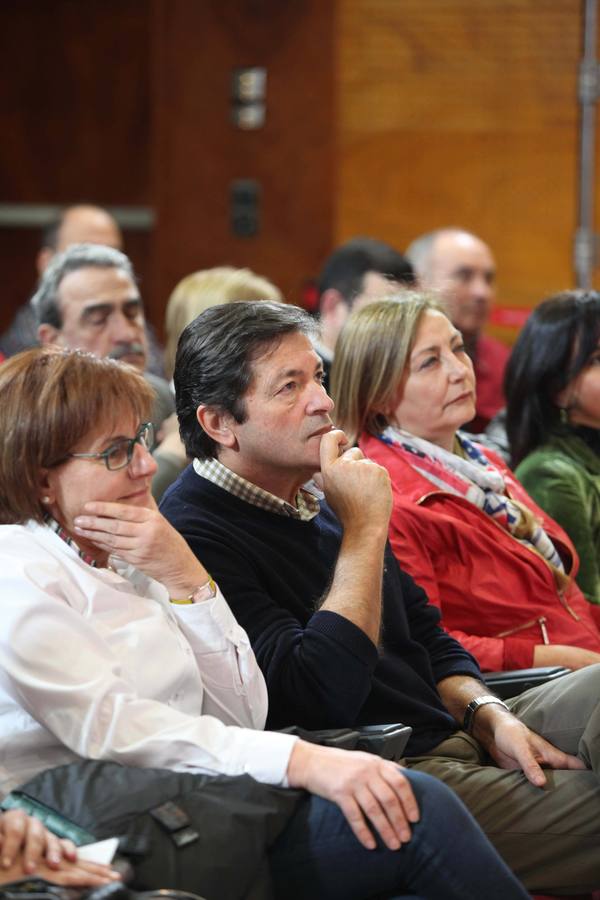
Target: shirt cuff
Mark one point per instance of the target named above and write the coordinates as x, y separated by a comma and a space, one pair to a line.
214, 618
267, 756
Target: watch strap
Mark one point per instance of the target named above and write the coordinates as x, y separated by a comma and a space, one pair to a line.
474, 706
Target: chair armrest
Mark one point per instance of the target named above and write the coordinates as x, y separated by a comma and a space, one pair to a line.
387, 741
510, 684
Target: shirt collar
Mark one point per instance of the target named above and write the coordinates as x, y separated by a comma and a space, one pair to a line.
63, 535
307, 499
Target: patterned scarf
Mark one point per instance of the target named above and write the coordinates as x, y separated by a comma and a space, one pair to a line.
475, 479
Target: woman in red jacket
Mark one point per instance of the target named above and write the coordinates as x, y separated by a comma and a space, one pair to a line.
499, 569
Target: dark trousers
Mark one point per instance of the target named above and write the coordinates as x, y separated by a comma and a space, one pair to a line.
447, 858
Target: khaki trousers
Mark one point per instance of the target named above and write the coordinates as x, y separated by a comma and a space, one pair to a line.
549, 836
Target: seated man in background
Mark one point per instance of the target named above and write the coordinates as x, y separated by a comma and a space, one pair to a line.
88, 299
342, 635
358, 272
461, 269
82, 223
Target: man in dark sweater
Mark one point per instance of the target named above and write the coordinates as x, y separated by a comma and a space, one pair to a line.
341, 634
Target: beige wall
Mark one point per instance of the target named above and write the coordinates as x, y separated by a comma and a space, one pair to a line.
463, 112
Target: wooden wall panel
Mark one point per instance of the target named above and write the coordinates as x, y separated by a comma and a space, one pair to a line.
383, 117
200, 152
463, 112
75, 119
75, 109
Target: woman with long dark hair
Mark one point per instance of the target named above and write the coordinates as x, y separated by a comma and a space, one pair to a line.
553, 420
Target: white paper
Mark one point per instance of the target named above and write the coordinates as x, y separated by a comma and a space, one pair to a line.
100, 852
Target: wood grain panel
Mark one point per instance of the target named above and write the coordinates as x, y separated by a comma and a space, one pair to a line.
200, 152
463, 112
74, 118
75, 109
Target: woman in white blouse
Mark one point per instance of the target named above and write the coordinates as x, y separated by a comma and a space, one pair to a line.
116, 644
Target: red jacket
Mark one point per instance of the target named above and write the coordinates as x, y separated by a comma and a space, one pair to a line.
484, 581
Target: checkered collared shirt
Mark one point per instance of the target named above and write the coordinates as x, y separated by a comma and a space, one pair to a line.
307, 498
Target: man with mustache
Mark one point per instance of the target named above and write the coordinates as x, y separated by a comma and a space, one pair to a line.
88, 299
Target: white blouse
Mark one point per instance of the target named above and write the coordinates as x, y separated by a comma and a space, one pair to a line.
99, 664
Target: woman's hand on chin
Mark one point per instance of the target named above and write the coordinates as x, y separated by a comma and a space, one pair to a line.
143, 537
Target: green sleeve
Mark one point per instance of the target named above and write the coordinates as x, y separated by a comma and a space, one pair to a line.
560, 490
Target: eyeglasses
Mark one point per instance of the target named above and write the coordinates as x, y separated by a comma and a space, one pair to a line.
120, 453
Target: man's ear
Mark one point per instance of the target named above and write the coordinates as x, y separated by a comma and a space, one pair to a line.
48, 334
218, 425
42, 259
330, 303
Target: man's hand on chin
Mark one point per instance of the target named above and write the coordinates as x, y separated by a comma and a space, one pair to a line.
514, 746
358, 490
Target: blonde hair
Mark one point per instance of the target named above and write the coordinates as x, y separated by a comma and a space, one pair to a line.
210, 287
371, 355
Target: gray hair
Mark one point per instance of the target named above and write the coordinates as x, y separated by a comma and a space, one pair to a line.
45, 301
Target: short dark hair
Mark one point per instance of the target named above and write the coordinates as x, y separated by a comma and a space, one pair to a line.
347, 266
215, 357
51, 399
555, 344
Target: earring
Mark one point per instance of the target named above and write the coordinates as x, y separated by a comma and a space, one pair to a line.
563, 413
46, 500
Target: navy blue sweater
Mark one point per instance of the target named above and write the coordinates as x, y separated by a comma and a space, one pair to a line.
321, 670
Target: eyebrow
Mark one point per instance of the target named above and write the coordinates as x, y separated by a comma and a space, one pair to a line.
114, 439
456, 336
489, 273
293, 373
108, 307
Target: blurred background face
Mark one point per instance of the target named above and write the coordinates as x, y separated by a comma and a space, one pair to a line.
374, 287
437, 392
102, 312
88, 225
82, 225
463, 271
581, 397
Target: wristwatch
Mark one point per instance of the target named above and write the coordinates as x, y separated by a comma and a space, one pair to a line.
206, 591
474, 706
